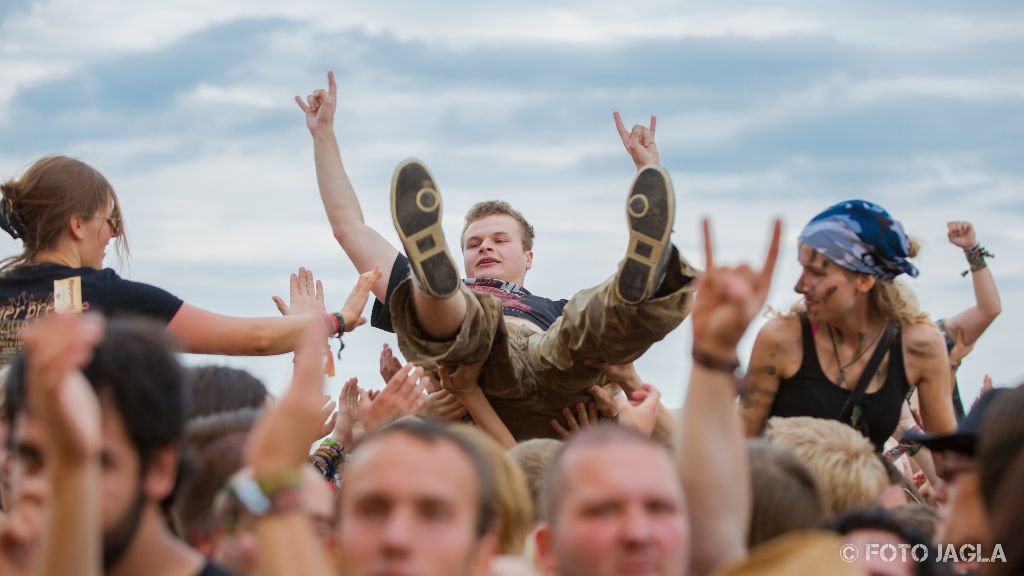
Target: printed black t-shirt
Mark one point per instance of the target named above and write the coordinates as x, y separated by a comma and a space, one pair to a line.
515, 300
27, 294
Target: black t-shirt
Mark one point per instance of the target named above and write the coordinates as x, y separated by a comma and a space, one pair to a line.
515, 300
27, 294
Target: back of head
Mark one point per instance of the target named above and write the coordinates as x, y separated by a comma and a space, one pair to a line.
218, 389
843, 461
211, 464
1001, 442
38, 206
921, 518
513, 505
554, 482
786, 494
880, 520
533, 457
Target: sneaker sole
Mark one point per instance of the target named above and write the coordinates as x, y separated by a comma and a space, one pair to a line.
650, 211
416, 212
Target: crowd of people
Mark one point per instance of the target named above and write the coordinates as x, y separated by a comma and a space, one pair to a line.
516, 436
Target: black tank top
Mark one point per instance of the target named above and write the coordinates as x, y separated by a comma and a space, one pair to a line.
810, 393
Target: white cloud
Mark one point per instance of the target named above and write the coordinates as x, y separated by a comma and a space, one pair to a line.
236, 96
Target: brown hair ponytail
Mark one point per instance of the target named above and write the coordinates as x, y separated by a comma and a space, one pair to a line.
37, 207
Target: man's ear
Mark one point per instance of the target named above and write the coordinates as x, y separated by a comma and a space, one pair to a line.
486, 550
160, 478
529, 258
545, 547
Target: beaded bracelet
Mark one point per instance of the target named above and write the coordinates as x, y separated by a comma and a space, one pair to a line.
976, 258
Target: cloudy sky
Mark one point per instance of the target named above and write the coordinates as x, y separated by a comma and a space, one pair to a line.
763, 109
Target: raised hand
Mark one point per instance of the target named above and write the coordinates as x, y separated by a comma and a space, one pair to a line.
389, 364
319, 106
347, 425
639, 141
445, 405
328, 418
604, 400
403, 395
960, 349
624, 375
641, 412
58, 347
586, 414
462, 380
304, 295
352, 311
961, 233
728, 298
279, 441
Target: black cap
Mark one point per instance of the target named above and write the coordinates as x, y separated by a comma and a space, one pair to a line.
964, 440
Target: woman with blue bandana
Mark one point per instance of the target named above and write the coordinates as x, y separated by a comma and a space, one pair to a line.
810, 363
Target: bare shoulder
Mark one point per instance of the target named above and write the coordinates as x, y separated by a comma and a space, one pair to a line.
780, 332
779, 345
923, 342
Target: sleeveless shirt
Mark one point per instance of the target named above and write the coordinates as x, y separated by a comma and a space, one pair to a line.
809, 392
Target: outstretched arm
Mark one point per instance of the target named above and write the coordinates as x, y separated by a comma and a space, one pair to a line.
204, 332
364, 246
973, 321
712, 453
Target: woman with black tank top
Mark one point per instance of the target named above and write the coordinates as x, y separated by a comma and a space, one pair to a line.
810, 362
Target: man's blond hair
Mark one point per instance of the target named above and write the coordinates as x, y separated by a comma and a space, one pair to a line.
843, 460
495, 207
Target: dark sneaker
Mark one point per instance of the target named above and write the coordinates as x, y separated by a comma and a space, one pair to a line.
650, 211
416, 211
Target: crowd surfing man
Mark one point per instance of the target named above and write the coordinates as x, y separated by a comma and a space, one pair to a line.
859, 346
533, 349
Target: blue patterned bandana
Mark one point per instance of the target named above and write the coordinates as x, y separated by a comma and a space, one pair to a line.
860, 236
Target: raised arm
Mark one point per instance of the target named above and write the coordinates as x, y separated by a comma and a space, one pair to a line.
58, 347
712, 452
973, 321
277, 448
364, 246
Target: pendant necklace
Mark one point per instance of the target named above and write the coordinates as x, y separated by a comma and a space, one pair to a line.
835, 352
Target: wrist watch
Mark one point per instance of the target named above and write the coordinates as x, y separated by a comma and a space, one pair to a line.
275, 494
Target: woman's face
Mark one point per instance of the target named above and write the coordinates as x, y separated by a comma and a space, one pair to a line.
99, 230
828, 290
